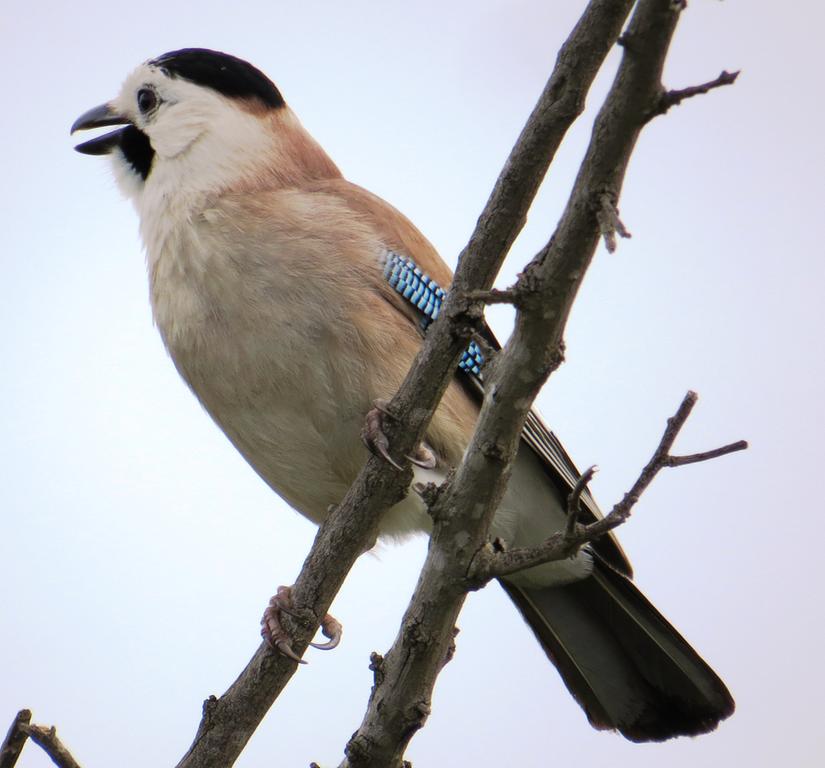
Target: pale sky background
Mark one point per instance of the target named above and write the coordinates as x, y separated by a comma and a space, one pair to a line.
137, 550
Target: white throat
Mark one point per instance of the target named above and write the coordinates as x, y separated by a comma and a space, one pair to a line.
202, 149
180, 186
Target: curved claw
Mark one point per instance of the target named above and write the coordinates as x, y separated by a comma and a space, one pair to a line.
270, 634
381, 405
382, 445
420, 462
327, 646
424, 457
374, 438
286, 649
332, 629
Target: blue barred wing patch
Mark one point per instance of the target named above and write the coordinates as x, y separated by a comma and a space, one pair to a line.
420, 290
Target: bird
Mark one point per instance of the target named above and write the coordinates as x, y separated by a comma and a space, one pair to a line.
291, 301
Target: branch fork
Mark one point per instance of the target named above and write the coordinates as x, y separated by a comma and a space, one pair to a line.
46, 738
490, 564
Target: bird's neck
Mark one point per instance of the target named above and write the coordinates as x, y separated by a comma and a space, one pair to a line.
272, 153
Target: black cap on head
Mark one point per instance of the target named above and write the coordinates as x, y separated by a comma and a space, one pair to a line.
226, 74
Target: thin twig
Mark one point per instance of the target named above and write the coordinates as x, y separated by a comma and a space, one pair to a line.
575, 497
15, 739
661, 459
493, 296
693, 458
46, 739
672, 98
491, 564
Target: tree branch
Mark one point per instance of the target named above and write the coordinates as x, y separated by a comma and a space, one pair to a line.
561, 102
491, 564
46, 738
464, 508
15, 739
228, 722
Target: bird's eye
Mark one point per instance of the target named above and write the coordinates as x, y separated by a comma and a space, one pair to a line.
147, 100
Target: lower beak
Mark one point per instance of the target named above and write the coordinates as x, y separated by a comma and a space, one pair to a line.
98, 117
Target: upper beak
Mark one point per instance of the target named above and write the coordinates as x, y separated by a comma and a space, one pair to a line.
97, 117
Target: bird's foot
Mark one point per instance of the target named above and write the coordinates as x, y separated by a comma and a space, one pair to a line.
376, 439
274, 633
373, 432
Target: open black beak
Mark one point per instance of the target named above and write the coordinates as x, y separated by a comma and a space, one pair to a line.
97, 117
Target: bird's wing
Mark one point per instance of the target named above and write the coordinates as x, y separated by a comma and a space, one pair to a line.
401, 236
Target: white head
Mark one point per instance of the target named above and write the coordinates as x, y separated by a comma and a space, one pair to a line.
200, 122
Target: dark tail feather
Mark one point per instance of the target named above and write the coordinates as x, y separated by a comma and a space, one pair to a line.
628, 668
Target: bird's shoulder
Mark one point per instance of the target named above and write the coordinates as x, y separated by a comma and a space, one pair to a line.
365, 231
391, 227
355, 228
